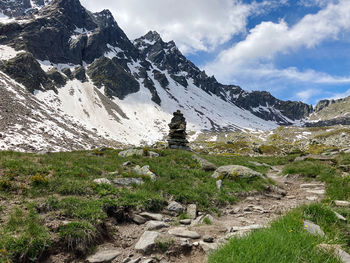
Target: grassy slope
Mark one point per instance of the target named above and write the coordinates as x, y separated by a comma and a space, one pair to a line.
285, 240
60, 186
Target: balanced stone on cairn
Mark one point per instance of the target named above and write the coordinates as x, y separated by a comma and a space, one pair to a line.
177, 134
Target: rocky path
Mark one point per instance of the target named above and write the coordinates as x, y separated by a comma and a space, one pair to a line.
190, 240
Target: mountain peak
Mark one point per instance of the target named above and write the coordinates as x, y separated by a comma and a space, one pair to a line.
152, 36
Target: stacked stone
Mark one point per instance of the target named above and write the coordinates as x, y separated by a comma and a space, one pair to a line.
177, 134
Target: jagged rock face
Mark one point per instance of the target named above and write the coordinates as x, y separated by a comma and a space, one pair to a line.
26, 70
17, 8
332, 111
117, 82
262, 104
65, 32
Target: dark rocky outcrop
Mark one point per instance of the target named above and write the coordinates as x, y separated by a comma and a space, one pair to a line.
117, 82
57, 77
80, 74
177, 134
26, 70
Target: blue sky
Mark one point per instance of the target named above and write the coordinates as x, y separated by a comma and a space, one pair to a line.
295, 49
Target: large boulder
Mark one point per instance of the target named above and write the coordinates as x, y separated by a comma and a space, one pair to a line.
130, 153
235, 171
147, 242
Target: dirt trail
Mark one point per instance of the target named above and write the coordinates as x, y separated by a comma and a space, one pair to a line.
251, 213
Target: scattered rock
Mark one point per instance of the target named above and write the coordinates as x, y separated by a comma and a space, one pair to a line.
185, 243
192, 211
183, 232
146, 242
219, 184
204, 164
145, 171
131, 152
153, 154
102, 181
336, 249
316, 191
185, 221
155, 225
339, 216
235, 171
127, 163
175, 207
311, 186
150, 216
128, 181
313, 229
342, 203
245, 228
139, 219
136, 260
103, 256
208, 239
208, 247
312, 198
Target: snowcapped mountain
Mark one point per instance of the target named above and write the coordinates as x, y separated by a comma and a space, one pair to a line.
80, 82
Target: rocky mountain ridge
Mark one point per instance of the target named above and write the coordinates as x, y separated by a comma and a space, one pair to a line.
83, 65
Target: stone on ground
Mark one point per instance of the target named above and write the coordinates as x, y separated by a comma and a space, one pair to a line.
235, 171
145, 171
183, 232
102, 181
343, 256
175, 207
139, 219
103, 256
192, 211
313, 229
150, 216
204, 164
128, 181
147, 242
156, 225
342, 203
131, 152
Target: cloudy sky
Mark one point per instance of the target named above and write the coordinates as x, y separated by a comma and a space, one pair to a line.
295, 49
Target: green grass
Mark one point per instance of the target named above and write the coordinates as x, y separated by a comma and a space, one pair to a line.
285, 241
23, 237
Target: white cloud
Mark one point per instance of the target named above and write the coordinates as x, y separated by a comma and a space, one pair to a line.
194, 25
305, 95
310, 3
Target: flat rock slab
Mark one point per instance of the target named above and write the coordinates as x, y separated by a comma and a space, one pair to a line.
131, 152
183, 232
235, 171
151, 216
245, 228
316, 191
208, 247
156, 225
128, 181
147, 242
192, 211
309, 186
313, 229
104, 256
342, 203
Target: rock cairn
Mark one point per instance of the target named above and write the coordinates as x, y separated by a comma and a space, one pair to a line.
177, 134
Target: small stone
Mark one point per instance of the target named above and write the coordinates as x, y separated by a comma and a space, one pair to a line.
148, 261
291, 197
139, 219
175, 207
146, 242
103, 256
185, 221
317, 191
339, 216
192, 211
185, 243
208, 247
131, 152
151, 216
196, 244
204, 164
219, 184
153, 154
183, 232
311, 198
102, 181
127, 163
155, 225
313, 229
245, 228
128, 181
308, 186
137, 260
342, 203
208, 239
